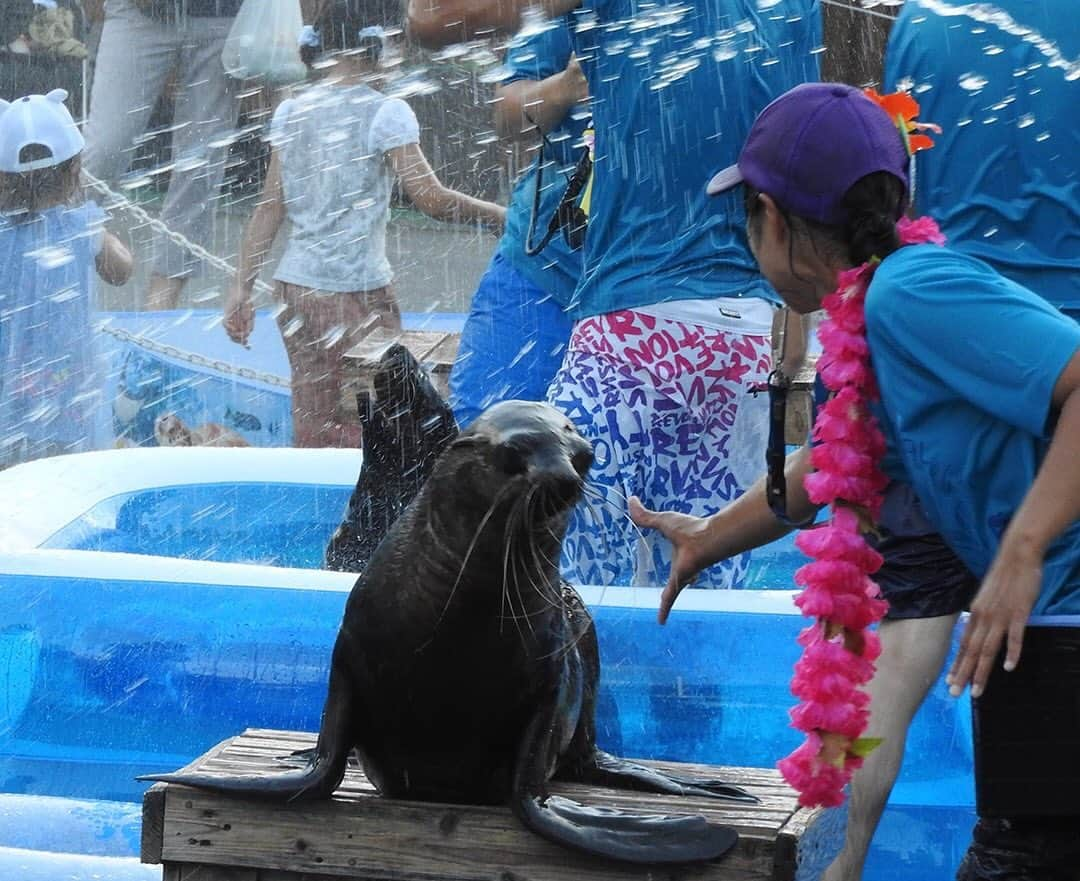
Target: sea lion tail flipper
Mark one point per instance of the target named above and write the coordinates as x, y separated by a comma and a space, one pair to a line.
608, 770
633, 838
320, 776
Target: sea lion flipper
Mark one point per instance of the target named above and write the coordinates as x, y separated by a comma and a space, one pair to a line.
608, 770
317, 779
635, 838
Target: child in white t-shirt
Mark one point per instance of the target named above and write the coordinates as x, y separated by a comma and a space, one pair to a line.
53, 244
337, 149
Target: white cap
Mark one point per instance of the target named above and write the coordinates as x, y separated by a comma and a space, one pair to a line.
40, 120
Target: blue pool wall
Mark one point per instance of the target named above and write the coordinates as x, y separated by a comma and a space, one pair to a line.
113, 666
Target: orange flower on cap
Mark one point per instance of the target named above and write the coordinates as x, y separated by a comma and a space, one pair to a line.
903, 109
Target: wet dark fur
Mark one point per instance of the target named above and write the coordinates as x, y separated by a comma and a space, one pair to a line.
406, 426
466, 670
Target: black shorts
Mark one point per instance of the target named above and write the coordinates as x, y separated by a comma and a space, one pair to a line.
922, 577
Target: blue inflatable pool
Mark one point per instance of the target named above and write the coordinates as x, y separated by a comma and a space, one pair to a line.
159, 600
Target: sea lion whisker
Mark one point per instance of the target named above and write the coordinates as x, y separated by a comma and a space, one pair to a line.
596, 494
529, 496
585, 500
468, 553
504, 589
539, 559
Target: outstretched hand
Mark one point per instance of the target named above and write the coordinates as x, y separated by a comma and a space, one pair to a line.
999, 612
688, 537
239, 316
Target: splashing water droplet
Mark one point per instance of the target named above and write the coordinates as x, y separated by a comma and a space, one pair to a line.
972, 82
990, 232
1026, 120
1043, 136
993, 50
51, 257
725, 52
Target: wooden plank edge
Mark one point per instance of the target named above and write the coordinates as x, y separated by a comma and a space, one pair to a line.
786, 852
152, 834
153, 824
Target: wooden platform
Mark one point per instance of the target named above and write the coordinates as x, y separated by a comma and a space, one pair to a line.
198, 836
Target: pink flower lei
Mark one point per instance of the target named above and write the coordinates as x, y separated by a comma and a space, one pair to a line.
838, 648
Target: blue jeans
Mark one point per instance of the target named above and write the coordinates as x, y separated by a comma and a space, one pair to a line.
511, 346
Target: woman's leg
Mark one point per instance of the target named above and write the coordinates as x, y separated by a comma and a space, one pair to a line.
318, 328
913, 652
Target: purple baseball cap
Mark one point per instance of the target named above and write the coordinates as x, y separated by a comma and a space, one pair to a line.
810, 145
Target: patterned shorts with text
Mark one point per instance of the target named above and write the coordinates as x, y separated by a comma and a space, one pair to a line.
668, 409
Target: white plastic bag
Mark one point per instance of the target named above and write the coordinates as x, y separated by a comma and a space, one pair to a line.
262, 42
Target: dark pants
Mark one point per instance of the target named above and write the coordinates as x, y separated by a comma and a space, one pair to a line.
1027, 765
1023, 849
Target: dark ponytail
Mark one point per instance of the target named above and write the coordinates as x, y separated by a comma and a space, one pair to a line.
873, 205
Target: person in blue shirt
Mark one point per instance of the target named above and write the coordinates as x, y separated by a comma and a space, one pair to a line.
517, 330
672, 319
980, 399
1001, 180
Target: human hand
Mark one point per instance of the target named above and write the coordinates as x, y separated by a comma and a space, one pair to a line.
239, 316
690, 551
577, 87
1000, 611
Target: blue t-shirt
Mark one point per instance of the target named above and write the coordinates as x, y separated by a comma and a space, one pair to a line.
556, 269
967, 361
675, 88
1003, 179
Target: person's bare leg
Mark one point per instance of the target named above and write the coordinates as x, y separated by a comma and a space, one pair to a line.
164, 292
913, 652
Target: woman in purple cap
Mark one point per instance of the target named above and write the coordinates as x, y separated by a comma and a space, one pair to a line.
979, 382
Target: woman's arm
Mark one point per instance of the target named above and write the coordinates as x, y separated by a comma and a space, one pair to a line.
746, 523
1012, 584
114, 262
429, 195
259, 234
524, 104
437, 23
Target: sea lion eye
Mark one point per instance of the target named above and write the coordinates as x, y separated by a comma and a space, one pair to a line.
509, 460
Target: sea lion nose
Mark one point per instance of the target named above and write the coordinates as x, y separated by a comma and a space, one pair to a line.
582, 461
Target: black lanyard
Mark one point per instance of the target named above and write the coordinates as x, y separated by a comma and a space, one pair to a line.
568, 216
776, 452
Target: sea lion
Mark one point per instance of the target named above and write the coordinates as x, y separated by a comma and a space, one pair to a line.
171, 431
466, 670
405, 426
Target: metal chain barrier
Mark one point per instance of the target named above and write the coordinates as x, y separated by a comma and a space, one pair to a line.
217, 262
198, 360
159, 226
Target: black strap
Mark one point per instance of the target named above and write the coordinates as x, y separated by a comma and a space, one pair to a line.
568, 216
776, 452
